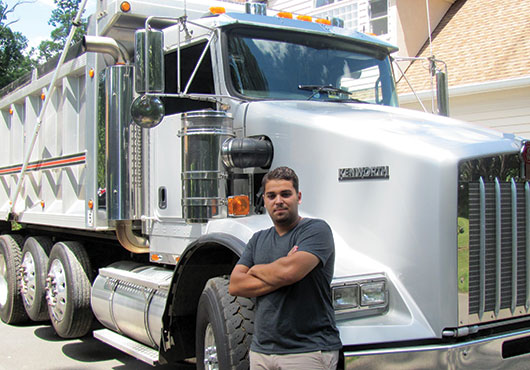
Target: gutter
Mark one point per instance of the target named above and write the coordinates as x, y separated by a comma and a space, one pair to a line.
470, 89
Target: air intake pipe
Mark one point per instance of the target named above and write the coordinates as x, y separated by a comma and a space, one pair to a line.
247, 152
106, 45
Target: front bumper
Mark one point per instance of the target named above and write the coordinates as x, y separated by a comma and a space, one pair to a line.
511, 350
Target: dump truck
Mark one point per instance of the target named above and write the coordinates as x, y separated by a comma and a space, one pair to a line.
130, 183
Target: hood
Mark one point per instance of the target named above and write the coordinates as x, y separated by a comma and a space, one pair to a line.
403, 129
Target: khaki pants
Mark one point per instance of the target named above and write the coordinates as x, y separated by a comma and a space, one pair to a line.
320, 360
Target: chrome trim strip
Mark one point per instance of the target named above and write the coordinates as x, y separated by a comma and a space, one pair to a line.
480, 353
482, 301
498, 247
514, 245
527, 192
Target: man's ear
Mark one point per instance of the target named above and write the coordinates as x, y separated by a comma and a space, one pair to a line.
299, 197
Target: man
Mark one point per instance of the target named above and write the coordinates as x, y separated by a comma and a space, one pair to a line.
289, 268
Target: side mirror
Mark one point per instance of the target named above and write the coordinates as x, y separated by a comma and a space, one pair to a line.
147, 111
149, 61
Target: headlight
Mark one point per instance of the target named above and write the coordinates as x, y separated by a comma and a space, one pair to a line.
361, 296
373, 293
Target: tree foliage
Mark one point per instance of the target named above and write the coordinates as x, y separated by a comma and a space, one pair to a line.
13, 62
61, 18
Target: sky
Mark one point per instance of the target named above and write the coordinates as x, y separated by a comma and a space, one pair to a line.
33, 18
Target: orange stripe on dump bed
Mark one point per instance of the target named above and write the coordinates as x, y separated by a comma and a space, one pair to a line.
57, 162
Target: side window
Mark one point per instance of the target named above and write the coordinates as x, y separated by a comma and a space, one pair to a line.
202, 82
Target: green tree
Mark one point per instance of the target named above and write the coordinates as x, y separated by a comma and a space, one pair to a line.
13, 62
61, 18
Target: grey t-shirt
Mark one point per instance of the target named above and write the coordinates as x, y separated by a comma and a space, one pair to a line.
297, 318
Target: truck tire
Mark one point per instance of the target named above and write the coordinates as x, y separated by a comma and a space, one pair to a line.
224, 329
68, 290
11, 306
33, 280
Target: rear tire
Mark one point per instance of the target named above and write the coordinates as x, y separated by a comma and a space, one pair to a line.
68, 290
225, 325
11, 306
33, 280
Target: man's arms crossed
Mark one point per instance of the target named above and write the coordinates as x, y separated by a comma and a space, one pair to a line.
263, 279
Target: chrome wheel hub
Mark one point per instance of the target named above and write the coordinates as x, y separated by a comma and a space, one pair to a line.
4, 289
56, 290
28, 282
210, 350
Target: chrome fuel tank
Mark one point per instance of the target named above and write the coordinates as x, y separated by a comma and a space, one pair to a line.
129, 298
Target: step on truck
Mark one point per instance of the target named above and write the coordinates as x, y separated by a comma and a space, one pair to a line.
134, 200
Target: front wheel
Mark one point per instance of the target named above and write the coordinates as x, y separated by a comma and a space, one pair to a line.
224, 328
68, 290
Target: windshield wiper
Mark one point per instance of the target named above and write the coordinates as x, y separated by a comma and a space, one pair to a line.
316, 89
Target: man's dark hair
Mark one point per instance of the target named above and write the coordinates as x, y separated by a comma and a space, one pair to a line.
281, 173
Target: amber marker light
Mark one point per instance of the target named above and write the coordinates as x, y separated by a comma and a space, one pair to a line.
217, 10
285, 15
327, 22
90, 204
238, 205
304, 18
42, 96
155, 257
42, 204
125, 6
91, 72
11, 111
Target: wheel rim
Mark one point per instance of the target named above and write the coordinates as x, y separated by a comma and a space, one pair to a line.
4, 290
210, 350
28, 282
56, 290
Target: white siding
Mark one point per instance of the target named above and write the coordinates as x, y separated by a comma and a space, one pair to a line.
503, 110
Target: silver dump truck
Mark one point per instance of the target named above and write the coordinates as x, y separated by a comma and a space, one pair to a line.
133, 197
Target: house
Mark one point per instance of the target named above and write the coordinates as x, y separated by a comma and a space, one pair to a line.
484, 43
486, 46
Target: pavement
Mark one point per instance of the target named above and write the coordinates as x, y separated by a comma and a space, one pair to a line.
35, 346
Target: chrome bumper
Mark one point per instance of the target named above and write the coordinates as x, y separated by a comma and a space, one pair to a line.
510, 350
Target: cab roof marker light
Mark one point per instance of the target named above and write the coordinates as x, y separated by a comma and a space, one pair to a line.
305, 18
327, 22
286, 15
217, 10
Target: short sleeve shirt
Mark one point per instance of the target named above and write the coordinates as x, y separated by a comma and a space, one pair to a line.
296, 318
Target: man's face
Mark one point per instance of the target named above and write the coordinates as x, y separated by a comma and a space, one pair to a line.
281, 201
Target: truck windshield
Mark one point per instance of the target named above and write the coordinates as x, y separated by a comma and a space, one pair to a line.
271, 64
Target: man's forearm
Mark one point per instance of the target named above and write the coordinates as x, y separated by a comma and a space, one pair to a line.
247, 285
271, 273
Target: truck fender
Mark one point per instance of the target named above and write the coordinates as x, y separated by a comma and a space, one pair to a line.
209, 256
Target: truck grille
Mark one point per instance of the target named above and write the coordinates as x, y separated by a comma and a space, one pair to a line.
494, 240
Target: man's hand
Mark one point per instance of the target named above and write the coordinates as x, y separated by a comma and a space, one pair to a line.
286, 270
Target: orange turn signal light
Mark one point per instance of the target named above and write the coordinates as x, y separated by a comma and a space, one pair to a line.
285, 15
90, 204
155, 257
11, 111
125, 6
91, 73
238, 205
323, 21
304, 18
217, 10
